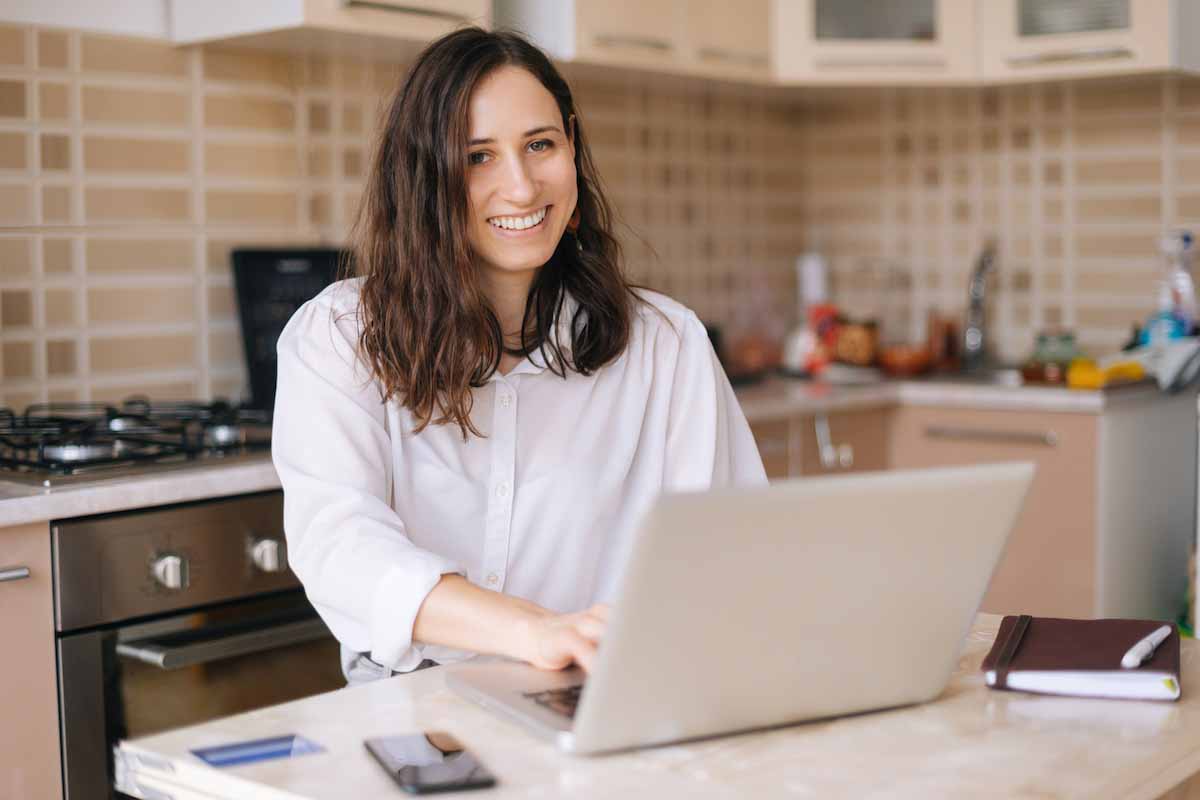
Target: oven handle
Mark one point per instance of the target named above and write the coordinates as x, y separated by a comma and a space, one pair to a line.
168, 656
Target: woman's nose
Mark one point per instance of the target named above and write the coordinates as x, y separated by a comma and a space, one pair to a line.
519, 187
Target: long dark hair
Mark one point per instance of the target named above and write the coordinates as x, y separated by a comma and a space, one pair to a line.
429, 333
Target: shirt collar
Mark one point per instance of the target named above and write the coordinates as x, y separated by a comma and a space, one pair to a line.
535, 362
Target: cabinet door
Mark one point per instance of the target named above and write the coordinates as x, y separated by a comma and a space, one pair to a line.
1049, 564
406, 19
29, 754
774, 440
1037, 39
730, 40
848, 441
632, 33
872, 42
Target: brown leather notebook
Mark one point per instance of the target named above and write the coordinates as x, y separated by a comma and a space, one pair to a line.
1082, 657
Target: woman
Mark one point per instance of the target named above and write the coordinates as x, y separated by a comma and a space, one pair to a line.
468, 433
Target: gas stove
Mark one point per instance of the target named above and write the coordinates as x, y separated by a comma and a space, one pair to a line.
52, 444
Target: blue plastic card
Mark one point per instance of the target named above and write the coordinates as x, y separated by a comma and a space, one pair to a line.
229, 755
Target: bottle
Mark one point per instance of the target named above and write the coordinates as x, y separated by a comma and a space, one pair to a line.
1165, 325
1177, 248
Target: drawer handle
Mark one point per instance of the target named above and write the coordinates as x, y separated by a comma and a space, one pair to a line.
859, 62
641, 42
732, 56
1066, 56
381, 5
832, 456
1043, 439
13, 573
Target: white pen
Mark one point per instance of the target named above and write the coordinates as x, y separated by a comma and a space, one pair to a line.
1145, 648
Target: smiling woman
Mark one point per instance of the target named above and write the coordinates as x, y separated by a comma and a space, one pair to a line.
468, 433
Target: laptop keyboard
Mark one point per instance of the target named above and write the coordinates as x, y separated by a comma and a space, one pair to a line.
560, 701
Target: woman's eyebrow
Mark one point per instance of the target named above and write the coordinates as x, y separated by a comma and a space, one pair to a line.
531, 132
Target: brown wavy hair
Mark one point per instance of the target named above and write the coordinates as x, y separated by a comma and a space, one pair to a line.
429, 334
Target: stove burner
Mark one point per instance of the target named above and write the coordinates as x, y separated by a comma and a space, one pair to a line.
62, 439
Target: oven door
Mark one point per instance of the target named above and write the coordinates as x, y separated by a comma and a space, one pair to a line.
136, 679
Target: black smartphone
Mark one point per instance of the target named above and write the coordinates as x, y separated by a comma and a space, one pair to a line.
434, 761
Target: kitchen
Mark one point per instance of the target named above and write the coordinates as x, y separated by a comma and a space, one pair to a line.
133, 163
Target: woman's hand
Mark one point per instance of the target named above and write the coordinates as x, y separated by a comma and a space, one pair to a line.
555, 641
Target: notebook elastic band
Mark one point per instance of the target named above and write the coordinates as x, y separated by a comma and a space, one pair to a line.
1004, 659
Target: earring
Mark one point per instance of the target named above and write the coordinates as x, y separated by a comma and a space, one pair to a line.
573, 229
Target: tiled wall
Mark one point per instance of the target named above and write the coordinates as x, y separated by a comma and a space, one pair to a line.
129, 169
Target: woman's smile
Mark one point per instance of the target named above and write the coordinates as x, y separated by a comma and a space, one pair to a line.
520, 225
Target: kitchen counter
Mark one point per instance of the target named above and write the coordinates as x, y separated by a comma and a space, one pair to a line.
21, 504
970, 742
781, 397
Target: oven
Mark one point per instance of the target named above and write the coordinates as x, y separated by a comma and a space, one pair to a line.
174, 615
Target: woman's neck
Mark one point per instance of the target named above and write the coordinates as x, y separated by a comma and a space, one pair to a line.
507, 292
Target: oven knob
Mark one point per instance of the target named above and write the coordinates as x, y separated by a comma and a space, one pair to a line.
171, 571
268, 556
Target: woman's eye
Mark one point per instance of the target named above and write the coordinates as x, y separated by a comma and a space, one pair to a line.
541, 145
477, 157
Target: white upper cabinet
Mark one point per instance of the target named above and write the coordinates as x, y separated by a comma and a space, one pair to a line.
1039, 39
719, 39
875, 42
321, 24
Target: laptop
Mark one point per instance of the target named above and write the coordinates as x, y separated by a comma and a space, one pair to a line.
742, 609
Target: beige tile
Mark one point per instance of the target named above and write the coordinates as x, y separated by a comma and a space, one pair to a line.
135, 56
1132, 283
60, 307
185, 390
249, 113
1053, 246
142, 353
221, 302
353, 74
57, 257
1111, 97
318, 73
352, 118
352, 163
52, 50
64, 395
1118, 133
1127, 171
18, 362
320, 209
136, 205
110, 256
12, 150
113, 154
386, 77
56, 151
16, 308
165, 304
252, 160
1119, 318
264, 208
12, 46
15, 257
1188, 206
53, 101
350, 205
1187, 170
60, 357
12, 98
253, 67
320, 162
14, 205
318, 117
56, 204
1116, 246
1120, 209
135, 106
225, 349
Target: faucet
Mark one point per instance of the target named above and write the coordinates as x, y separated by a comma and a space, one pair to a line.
974, 342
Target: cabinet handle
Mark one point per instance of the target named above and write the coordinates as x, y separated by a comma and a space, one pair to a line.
382, 5
732, 56
832, 456
626, 40
1077, 54
13, 573
1043, 438
861, 62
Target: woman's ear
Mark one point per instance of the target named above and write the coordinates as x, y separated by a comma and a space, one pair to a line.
571, 132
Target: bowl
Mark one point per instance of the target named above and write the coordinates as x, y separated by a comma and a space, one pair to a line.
903, 360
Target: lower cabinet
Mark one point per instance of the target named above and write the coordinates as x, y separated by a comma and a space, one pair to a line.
823, 444
29, 753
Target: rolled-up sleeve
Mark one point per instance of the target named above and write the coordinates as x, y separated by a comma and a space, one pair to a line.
334, 458
709, 443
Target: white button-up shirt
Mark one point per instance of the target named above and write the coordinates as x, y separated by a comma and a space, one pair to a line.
545, 507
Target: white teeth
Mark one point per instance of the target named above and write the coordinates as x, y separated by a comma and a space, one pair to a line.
519, 223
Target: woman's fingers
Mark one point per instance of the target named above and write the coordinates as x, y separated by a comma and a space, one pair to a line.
582, 649
590, 627
599, 610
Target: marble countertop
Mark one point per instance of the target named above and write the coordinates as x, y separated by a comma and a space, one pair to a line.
970, 742
772, 399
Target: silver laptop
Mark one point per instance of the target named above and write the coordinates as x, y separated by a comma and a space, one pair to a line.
744, 609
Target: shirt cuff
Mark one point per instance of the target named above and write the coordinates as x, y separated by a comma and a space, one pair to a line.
398, 598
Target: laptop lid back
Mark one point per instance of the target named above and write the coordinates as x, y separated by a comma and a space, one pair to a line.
811, 598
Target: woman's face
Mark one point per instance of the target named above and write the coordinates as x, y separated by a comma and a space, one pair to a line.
520, 172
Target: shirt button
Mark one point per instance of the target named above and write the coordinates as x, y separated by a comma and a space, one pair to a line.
502, 489
505, 400
491, 579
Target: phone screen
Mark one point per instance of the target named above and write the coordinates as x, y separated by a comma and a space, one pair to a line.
429, 762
